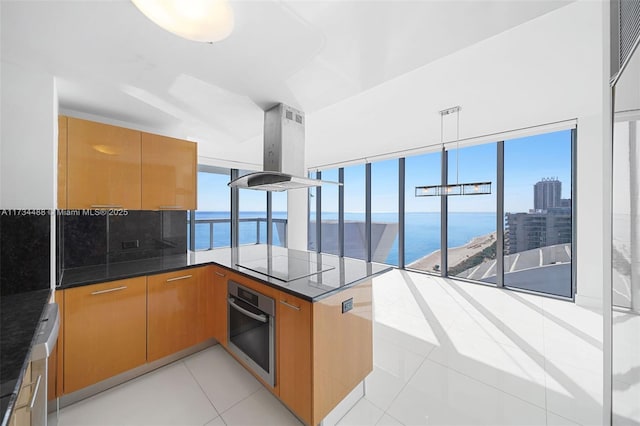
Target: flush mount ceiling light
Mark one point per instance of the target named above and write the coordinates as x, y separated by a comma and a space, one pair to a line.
472, 188
198, 20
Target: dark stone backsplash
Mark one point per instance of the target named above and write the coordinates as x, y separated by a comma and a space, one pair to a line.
25, 251
89, 240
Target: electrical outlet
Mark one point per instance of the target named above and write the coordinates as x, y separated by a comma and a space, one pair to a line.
347, 305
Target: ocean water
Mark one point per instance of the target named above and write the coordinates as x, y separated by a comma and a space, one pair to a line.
422, 230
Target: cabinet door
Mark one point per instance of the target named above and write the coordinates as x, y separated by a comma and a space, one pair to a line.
62, 162
104, 331
218, 311
103, 168
169, 171
173, 319
293, 319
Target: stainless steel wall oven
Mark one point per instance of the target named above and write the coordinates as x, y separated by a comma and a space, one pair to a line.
251, 329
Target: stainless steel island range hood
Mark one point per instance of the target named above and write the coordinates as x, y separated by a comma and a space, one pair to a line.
283, 154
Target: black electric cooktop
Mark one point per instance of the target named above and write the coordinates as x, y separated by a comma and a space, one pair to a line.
285, 268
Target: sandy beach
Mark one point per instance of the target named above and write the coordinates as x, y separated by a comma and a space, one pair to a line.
456, 254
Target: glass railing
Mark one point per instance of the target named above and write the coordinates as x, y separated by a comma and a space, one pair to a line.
214, 233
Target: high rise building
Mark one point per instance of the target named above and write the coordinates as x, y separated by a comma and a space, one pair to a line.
527, 231
548, 224
547, 194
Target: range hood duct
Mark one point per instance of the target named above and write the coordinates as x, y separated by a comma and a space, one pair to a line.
283, 159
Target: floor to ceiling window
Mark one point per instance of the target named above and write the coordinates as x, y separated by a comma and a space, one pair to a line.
329, 208
312, 241
471, 219
422, 214
213, 217
279, 218
354, 208
538, 213
520, 235
253, 217
384, 211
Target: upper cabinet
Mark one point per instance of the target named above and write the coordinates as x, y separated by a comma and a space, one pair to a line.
103, 166
169, 170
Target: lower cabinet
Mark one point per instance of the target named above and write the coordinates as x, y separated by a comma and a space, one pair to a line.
294, 354
217, 304
325, 349
104, 331
176, 319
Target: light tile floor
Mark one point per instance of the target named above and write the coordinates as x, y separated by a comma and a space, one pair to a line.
445, 352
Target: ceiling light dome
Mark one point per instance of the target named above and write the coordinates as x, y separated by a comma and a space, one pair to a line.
197, 20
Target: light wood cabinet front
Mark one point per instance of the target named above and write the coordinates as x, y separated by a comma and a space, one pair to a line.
342, 346
294, 354
169, 172
104, 331
217, 304
62, 162
174, 321
103, 169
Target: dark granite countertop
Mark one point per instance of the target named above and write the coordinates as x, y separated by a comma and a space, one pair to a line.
20, 316
308, 275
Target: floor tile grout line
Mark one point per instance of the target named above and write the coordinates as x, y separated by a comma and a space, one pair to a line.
220, 413
488, 384
201, 389
404, 385
387, 414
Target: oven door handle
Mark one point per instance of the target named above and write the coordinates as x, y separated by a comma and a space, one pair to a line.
261, 318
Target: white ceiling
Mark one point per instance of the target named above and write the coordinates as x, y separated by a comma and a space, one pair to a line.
111, 61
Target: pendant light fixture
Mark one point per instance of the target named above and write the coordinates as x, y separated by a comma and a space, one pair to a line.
471, 188
198, 20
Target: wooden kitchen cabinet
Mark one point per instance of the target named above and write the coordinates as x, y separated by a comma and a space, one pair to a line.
293, 319
104, 331
175, 321
62, 162
169, 173
217, 304
103, 166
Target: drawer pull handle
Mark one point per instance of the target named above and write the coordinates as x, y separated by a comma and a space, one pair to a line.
106, 206
108, 290
184, 277
220, 274
297, 308
33, 396
170, 207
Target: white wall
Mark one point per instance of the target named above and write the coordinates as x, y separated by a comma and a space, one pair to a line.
28, 139
28, 144
546, 70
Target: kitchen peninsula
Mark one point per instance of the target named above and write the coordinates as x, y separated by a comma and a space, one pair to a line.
321, 319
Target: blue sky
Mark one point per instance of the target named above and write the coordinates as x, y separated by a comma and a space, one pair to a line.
527, 160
